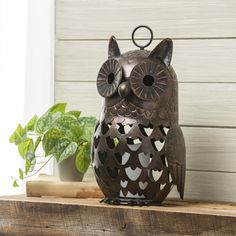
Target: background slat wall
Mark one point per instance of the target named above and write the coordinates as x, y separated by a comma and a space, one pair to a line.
204, 104
193, 60
214, 186
204, 58
81, 19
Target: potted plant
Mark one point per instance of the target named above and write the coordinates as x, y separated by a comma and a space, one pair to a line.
64, 136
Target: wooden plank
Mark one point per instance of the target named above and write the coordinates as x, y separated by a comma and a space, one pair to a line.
199, 103
207, 104
51, 187
79, 96
210, 149
79, 19
47, 216
212, 186
193, 60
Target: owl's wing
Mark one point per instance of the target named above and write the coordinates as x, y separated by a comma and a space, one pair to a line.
175, 155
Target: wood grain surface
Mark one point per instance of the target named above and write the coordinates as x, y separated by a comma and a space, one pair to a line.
85, 189
55, 216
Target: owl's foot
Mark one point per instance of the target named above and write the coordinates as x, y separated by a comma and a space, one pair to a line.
130, 201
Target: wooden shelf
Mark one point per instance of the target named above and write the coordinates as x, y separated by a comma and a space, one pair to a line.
20, 215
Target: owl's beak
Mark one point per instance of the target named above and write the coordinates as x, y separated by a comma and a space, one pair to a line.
124, 89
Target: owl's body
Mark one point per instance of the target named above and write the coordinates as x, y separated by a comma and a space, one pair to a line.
138, 150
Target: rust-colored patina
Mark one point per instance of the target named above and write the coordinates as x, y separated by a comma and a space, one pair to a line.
138, 150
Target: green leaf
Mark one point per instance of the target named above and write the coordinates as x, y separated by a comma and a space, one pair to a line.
65, 122
69, 126
21, 173
69, 151
15, 184
82, 160
25, 146
63, 149
37, 142
50, 140
74, 113
27, 166
87, 121
18, 136
30, 162
54, 143
31, 124
47, 120
59, 107
88, 124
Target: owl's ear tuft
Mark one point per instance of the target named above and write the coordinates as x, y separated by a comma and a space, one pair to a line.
113, 48
163, 51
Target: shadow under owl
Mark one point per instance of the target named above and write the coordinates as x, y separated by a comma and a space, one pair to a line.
138, 150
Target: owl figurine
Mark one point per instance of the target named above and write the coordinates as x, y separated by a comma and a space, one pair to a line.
138, 149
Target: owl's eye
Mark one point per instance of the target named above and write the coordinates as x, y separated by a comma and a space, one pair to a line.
149, 80
109, 78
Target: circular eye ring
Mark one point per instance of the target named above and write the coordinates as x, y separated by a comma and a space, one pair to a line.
109, 78
149, 80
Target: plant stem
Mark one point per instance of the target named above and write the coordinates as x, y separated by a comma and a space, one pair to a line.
36, 171
39, 156
41, 162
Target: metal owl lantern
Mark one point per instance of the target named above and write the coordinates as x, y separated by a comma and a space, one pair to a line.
138, 150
